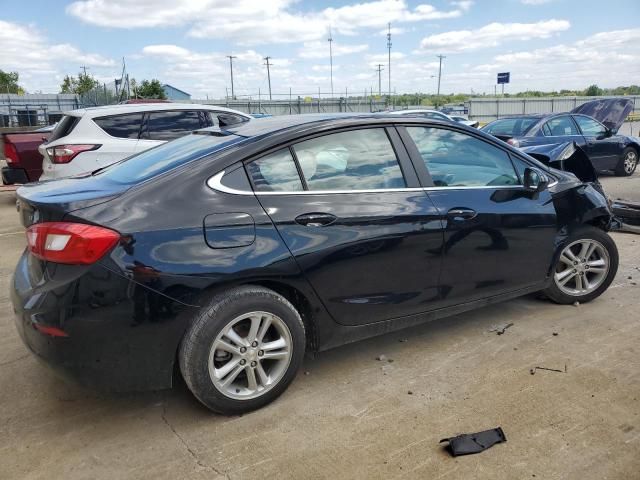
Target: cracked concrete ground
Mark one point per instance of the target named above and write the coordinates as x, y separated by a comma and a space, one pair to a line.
352, 415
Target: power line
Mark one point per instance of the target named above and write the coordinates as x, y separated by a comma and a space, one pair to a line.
439, 77
380, 65
231, 57
268, 73
330, 40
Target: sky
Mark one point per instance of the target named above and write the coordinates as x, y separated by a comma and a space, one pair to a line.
545, 44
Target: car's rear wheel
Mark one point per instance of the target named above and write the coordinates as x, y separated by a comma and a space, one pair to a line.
585, 268
242, 350
627, 163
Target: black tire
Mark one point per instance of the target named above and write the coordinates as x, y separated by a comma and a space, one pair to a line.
627, 163
208, 324
556, 294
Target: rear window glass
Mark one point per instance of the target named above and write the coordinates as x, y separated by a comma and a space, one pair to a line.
512, 127
173, 124
165, 157
64, 127
121, 126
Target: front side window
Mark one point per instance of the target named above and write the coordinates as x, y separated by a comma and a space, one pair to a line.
457, 159
173, 124
559, 126
589, 126
121, 126
275, 172
353, 160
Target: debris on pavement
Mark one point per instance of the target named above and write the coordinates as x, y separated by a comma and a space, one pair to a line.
555, 334
469, 443
500, 329
533, 370
576, 303
381, 358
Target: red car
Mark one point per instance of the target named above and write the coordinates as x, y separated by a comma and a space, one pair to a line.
24, 162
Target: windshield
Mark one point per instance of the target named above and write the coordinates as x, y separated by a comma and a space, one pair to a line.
512, 127
165, 157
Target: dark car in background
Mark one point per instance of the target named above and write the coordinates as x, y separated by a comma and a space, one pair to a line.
232, 252
592, 126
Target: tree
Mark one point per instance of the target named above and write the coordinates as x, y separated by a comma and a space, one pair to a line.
80, 86
593, 91
150, 89
9, 83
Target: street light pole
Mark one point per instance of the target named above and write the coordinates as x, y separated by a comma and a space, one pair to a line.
330, 40
439, 77
231, 57
380, 79
389, 66
268, 74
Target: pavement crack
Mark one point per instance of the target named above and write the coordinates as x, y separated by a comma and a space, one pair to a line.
184, 443
9, 362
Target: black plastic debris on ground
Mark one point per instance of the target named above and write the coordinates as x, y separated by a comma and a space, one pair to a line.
500, 329
469, 443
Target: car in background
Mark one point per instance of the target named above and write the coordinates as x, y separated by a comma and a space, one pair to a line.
23, 160
434, 115
92, 138
592, 126
230, 252
465, 121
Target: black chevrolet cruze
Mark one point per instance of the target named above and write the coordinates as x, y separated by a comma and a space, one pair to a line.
228, 253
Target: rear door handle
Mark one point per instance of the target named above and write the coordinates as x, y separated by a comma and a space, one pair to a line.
461, 214
315, 219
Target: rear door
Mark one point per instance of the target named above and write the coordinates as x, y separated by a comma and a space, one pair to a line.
163, 126
121, 139
559, 129
602, 148
349, 208
498, 237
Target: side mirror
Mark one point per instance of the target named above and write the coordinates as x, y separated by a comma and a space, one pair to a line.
535, 180
608, 132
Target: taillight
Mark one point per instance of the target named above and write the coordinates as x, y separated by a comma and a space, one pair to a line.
70, 243
513, 142
66, 153
11, 153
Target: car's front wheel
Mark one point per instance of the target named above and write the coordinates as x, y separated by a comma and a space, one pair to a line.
242, 350
627, 163
585, 268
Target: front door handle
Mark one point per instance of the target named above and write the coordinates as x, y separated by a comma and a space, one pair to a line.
461, 214
316, 219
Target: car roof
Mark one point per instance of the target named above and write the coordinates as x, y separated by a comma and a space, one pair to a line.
93, 112
415, 110
265, 126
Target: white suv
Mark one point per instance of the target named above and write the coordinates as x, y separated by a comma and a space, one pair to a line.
91, 138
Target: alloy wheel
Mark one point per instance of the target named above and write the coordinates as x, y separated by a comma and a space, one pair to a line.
250, 355
583, 266
630, 162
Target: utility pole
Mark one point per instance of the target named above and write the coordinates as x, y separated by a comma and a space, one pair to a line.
439, 77
84, 68
231, 57
268, 73
380, 65
330, 40
389, 67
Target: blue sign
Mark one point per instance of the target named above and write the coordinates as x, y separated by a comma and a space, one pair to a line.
503, 77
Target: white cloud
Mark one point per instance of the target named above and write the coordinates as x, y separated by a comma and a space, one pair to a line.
491, 35
40, 63
574, 65
251, 22
320, 49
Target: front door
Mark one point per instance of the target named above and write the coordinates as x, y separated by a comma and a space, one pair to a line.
349, 208
498, 237
602, 148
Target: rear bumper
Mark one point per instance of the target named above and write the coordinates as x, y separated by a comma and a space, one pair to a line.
116, 340
12, 176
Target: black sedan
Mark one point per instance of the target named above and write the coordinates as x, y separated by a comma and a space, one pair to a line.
592, 126
230, 252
